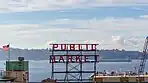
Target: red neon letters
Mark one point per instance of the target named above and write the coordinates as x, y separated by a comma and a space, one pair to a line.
74, 46
68, 58
74, 58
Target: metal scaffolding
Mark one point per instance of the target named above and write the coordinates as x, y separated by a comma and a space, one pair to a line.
143, 57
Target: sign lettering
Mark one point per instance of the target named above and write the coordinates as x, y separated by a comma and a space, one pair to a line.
70, 59
74, 57
74, 46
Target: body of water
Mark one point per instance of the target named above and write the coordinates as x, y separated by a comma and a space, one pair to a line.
39, 70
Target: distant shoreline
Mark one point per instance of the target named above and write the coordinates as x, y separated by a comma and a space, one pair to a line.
107, 60
115, 60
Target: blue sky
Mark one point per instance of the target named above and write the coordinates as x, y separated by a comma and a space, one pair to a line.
73, 14
113, 24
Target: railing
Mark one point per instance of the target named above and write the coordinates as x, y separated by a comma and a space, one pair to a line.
1, 73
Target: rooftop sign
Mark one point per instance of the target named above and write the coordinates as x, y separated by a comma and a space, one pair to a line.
74, 46
73, 57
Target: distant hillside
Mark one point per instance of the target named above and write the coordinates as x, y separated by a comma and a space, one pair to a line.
43, 54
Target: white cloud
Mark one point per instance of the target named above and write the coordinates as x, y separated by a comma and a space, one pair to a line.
125, 33
36, 5
119, 40
144, 16
132, 42
92, 42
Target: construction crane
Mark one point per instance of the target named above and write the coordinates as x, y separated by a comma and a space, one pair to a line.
143, 58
